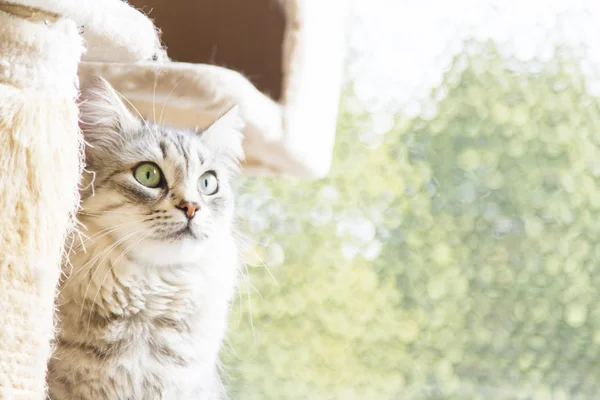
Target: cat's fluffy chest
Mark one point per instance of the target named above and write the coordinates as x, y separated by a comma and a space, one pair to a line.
163, 360
144, 332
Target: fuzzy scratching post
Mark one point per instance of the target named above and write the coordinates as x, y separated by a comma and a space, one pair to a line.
39, 173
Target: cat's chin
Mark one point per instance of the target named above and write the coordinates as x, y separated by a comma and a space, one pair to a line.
184, 250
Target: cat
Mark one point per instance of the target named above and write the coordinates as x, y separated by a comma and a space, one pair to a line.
142, 309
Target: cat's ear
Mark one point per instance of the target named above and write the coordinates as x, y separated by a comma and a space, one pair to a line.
225, 134
104, 118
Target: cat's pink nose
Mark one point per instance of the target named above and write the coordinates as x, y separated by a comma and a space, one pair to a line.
189, 208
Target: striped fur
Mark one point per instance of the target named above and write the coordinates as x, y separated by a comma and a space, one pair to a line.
143, 305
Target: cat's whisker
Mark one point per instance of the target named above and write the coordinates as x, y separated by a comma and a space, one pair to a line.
167, 101
70, 278
88, 123
97, 236
106, 253
92, 181
154, 98
127, 250
245, 242
107, 231
240, 299
107, 212
98, 265
72, 275
81, 225
134, 108
110, 269
116, 243
250, 319
264, 265
247, 274
68, 251
246, 278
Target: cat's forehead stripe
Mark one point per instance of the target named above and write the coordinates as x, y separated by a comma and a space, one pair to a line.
179, 149
176, 142
163, 149
201, 157
184, 151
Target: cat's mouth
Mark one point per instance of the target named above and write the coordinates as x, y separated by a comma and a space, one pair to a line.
186, 231
174, 232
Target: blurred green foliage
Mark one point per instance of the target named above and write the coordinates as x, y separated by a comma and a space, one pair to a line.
458, 259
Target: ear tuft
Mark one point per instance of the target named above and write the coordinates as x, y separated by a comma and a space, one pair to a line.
103, 115
225, 135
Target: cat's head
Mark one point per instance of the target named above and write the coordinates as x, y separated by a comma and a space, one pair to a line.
161, 191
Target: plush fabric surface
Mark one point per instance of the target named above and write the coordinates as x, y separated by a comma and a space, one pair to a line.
40, 161
112, 30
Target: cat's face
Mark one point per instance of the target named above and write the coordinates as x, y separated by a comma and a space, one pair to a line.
161, 191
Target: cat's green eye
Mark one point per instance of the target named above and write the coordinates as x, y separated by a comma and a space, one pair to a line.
148, 174
209, 184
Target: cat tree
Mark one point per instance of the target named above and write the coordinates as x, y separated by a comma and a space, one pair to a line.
289, 53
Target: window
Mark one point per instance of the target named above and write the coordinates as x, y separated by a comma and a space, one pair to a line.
454, 250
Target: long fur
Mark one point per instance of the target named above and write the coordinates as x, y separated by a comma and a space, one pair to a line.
143, 305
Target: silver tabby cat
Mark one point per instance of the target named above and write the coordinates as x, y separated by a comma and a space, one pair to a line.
143, 305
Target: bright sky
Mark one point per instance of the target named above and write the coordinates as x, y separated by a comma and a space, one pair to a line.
401, 48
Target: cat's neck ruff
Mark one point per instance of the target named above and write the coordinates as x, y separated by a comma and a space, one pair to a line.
124, 279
